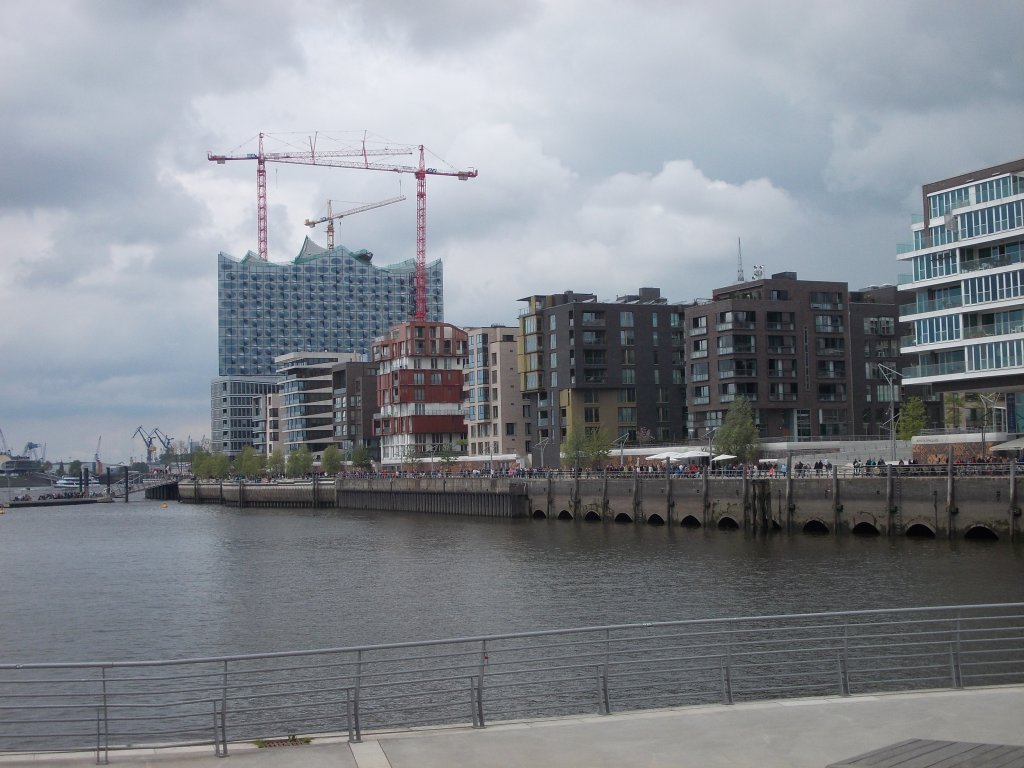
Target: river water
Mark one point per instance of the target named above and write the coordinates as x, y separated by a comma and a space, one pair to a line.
144, 581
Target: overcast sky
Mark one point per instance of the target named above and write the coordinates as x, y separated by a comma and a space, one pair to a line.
618, 145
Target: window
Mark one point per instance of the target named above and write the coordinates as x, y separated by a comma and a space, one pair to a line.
510, 429
627, 415
629, 375
626, 319
591, 415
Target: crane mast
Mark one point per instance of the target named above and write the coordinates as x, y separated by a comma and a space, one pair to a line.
337, 159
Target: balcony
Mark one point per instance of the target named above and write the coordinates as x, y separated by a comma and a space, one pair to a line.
700, 400
742, 349
937, 369
782, 397
785, 373
781, 350
983, 331
831, 374
736, 325
998, 261
697, 331
779, 326
698, 354
934, 305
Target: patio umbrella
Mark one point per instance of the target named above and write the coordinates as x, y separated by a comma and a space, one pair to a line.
695, 454
723, 457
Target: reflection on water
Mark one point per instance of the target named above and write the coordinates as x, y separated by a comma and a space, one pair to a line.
120, 581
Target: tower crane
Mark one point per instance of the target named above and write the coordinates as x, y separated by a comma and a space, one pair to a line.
330, 217
335, 159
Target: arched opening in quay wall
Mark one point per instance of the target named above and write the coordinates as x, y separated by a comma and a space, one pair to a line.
864, 528
690, 522
655, 519
565, 514
539, 514
728, 524
981, 533
920, 531
815, 527
592, 517
622, 517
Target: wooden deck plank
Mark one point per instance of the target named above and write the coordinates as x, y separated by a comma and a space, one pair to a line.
931, 753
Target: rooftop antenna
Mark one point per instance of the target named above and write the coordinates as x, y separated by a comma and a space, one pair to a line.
739, 261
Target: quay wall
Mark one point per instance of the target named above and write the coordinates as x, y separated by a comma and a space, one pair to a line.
944, 506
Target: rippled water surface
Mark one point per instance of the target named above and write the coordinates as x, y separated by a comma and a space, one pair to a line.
137, 581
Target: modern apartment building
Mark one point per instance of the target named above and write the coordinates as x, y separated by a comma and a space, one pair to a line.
810, 356
419, 391
967, 285
233, 410
613, 366
355, 403
307, 398
496, 424
266, 426
335, 300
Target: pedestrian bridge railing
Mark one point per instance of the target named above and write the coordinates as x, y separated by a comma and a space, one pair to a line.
51, 707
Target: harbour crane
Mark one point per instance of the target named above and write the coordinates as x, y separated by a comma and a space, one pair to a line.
335, 159
165, 441
330, 217
147, 438
98, 465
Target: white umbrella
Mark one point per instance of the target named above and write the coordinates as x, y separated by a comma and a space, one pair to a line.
694, 455
723, 457
665, 456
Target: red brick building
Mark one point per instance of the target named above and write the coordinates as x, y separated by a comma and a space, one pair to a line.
419, 391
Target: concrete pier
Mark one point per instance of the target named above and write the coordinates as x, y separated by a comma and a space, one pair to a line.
921, 504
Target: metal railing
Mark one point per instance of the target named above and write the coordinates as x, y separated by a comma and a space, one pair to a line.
477, 680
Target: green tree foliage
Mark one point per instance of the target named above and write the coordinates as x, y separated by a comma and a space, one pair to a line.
586, 448
75, 468
738, 434
299, 463
249, 463
912, 418
448, 456
208, 465
276, 463
410, 456
330, 460
362, 457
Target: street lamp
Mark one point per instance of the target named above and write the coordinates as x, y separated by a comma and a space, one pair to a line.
890, 376
543, 444
621, 442
711, 451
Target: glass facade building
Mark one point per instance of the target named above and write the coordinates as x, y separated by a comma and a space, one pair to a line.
967, 282
334, 300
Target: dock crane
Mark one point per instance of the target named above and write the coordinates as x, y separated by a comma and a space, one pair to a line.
335, 159
148, 438
330, 217
165, 441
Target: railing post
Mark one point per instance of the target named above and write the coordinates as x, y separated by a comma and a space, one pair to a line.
724, 663
349, 715
604, 705
106, 719
472, 702
102, 756
355, 698
480, 684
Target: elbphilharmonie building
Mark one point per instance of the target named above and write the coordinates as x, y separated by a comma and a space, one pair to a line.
324, 300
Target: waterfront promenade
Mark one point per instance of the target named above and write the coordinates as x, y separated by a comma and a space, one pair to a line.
794, 733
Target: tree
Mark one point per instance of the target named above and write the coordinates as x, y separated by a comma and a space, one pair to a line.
574, 447
410, 455
598, 447
330, 461
738, 434
299, 462
75, 468
249, 462
361, 457
912, 418
586, 447
276, 463
448, 456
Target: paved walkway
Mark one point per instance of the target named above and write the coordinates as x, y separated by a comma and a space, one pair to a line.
804, 733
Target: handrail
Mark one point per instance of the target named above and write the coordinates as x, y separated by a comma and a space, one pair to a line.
558, 672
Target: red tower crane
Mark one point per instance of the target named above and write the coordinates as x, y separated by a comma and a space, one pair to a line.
334, 159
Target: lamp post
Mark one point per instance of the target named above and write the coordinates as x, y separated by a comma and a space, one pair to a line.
543, 444
621, 442
711, 451
890, 378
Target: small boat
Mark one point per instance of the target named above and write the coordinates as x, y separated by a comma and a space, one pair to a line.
68, 481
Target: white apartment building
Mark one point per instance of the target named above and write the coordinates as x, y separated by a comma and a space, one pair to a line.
497, 423
967, 279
